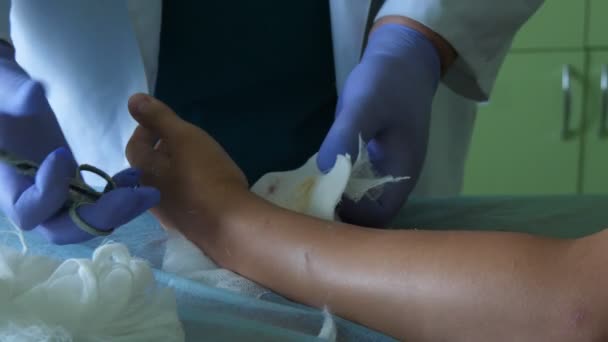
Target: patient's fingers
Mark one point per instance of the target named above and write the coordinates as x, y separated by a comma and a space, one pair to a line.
141, 154
162, 147
156, 118
145, 136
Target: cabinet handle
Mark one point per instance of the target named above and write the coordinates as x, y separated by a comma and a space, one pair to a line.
567, 93
604, 104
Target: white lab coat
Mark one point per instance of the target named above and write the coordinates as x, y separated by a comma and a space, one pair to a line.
91, 55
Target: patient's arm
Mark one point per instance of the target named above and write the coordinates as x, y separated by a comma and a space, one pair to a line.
414, 285
422, 285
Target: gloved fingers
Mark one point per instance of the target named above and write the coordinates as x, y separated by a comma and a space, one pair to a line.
343, 136
12, 88
391, 154
394, 153
119, 206
387, 161
48, 193
112, 210
339, 106
127, 178
375, 212
25, 96
341, 139
13, 185
61, 230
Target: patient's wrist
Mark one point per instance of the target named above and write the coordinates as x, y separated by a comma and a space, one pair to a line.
232, 222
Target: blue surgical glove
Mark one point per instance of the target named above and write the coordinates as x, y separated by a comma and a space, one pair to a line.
29, 129
387, 99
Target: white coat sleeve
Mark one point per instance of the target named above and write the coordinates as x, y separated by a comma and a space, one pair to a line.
5, 7
481, 32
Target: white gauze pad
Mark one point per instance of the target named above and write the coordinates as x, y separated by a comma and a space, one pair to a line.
307, 190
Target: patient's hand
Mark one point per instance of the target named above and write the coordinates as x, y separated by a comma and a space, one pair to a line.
197, 179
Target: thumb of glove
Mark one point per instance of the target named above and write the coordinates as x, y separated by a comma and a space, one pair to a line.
343, 138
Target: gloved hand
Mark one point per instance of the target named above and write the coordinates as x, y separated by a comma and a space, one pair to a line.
29, 129
387, 99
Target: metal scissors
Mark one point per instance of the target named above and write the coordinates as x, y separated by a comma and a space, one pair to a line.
79, 192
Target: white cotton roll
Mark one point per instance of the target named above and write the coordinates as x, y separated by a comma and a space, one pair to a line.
183, 258
329, 331
111, 297
40, 332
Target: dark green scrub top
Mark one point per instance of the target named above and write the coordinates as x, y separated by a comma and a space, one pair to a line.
256, 75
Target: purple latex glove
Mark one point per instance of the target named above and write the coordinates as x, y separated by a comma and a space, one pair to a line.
387, 99
29, 129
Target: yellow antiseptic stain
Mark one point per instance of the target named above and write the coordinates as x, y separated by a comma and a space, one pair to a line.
304, 192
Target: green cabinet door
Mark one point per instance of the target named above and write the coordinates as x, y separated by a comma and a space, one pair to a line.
595, 166
598, 23
557, 24
517, 145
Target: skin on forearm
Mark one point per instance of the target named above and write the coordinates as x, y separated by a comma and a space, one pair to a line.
446, 52
416, 285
